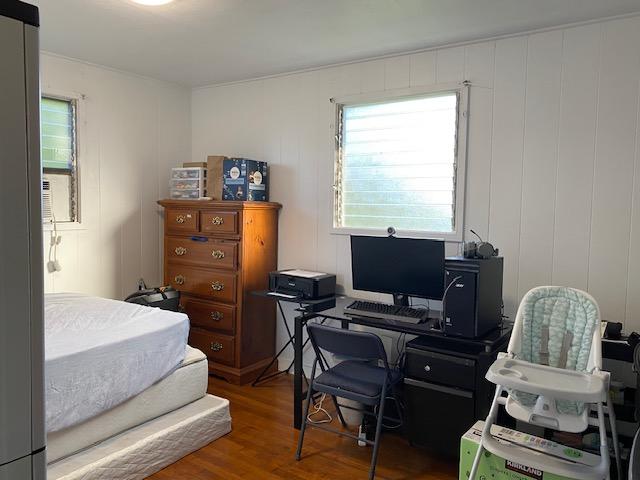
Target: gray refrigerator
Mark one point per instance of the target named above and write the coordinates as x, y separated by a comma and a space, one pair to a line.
22, 432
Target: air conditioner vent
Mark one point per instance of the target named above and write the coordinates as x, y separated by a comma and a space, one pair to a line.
47, 207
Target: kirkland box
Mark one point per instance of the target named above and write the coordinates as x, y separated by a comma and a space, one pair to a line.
245, 179
496, 468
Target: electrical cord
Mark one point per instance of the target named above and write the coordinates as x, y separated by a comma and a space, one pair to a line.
400, 350
444, 297
319, 409
400, 410
53, 265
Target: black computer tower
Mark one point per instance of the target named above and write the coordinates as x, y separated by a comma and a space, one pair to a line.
473, 303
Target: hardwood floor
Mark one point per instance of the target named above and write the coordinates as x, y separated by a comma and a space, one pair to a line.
262, 445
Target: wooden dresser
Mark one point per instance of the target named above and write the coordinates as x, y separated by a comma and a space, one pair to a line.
216, 253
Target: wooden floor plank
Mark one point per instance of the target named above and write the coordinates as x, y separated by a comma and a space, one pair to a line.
262, 444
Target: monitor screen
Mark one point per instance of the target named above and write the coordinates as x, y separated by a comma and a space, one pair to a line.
407, 266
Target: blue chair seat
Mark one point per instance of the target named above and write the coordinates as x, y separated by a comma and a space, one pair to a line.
355, 380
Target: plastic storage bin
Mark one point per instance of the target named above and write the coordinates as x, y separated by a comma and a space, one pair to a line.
188, 172
185, 194
188, 183
187, 188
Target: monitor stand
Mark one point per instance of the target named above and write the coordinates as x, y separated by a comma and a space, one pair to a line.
400, 300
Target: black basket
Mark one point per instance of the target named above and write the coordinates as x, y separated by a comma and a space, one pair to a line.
165, 298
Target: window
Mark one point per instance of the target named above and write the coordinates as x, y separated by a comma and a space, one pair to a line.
398, 164
59, 157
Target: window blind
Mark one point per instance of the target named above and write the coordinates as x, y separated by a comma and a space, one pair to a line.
397, 164
57, 134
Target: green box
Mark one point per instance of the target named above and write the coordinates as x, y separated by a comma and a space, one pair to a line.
493, 467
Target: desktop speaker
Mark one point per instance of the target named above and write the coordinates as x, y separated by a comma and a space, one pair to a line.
472, 304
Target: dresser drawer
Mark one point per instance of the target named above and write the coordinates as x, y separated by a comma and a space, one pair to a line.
217, 347
203, 252
219, 222
444, 369
210, 315
181, 221
212, 284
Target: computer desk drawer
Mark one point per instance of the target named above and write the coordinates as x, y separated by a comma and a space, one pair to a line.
440, 368
429, 423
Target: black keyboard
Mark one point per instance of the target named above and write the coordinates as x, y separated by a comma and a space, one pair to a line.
387, 312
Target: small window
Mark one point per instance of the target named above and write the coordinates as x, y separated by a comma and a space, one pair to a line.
59, 159
397, 165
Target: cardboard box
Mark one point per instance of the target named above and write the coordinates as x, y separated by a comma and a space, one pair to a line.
215, 177
194, 164
497, 468
245, 179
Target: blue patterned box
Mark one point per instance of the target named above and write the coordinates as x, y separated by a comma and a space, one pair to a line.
245, 179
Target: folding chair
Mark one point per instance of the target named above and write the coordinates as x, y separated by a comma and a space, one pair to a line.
552, 378
356, 379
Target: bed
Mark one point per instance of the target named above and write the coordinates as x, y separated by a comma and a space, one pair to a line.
125, 394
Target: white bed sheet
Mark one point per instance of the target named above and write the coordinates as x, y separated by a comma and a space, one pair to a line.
100, 352
187, 384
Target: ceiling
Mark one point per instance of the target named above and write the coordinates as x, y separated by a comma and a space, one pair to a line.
201, 42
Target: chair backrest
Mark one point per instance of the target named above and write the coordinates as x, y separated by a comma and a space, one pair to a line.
558, 326
347, 343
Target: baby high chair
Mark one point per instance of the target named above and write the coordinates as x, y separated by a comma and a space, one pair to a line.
552, 378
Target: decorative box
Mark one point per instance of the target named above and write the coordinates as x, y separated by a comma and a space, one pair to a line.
245, 179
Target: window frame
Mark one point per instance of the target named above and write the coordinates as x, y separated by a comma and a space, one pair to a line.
76, 100
462, 91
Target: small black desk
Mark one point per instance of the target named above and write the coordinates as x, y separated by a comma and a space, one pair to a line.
308, 305
336, 312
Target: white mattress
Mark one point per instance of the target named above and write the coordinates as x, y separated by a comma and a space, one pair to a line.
187, 384
99, 353
144, 450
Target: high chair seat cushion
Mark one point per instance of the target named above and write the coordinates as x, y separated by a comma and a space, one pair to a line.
561, 310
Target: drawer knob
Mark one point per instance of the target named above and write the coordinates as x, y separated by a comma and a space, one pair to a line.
180, 219
219, 254
180, 251
179, 279
217, 316
427, 368
216, 346
217, 286
217, 220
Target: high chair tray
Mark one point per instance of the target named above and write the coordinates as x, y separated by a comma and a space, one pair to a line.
548, 381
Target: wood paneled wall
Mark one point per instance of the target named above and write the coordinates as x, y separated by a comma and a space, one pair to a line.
552, 169
131, 131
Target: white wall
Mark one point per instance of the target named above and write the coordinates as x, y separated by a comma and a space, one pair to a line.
131, 131
552, 170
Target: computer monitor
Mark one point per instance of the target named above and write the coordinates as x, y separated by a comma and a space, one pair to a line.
400, 266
